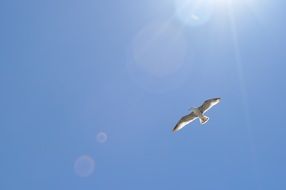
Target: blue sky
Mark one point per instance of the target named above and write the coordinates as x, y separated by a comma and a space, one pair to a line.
90, 91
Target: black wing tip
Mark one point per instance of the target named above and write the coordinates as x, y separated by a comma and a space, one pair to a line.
175, 129
216, 99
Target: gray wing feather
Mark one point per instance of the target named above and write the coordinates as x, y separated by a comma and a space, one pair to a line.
208, 104
184, 121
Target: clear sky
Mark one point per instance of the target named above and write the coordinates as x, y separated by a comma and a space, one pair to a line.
90, 91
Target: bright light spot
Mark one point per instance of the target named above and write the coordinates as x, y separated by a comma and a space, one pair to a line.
199, 12
194, 12
101, 137
84, 166
159, 49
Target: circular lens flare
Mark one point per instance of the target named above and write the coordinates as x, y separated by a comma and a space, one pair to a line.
159, 49
101, 137
84, 166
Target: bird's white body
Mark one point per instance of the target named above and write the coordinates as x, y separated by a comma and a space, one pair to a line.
197, 113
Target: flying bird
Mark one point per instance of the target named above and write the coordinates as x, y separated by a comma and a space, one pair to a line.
197, 113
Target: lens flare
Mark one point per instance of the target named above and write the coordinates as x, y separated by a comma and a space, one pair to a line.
194, 12
101, 137
84, 166
159, 49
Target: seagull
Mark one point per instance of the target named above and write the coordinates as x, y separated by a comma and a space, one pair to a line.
197, 113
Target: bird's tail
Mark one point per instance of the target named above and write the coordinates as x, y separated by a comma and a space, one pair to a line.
204, 119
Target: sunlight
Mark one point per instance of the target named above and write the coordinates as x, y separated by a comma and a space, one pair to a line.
199, 12
194, 12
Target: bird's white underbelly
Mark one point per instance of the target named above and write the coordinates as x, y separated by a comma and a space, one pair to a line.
197, 112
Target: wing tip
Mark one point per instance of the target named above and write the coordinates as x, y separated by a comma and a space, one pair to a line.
217, 100
175, 129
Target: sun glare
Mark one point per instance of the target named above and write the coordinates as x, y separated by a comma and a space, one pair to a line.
194, 12
199, 12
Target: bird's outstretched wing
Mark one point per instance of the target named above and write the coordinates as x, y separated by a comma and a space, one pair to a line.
208, 104
184, 121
